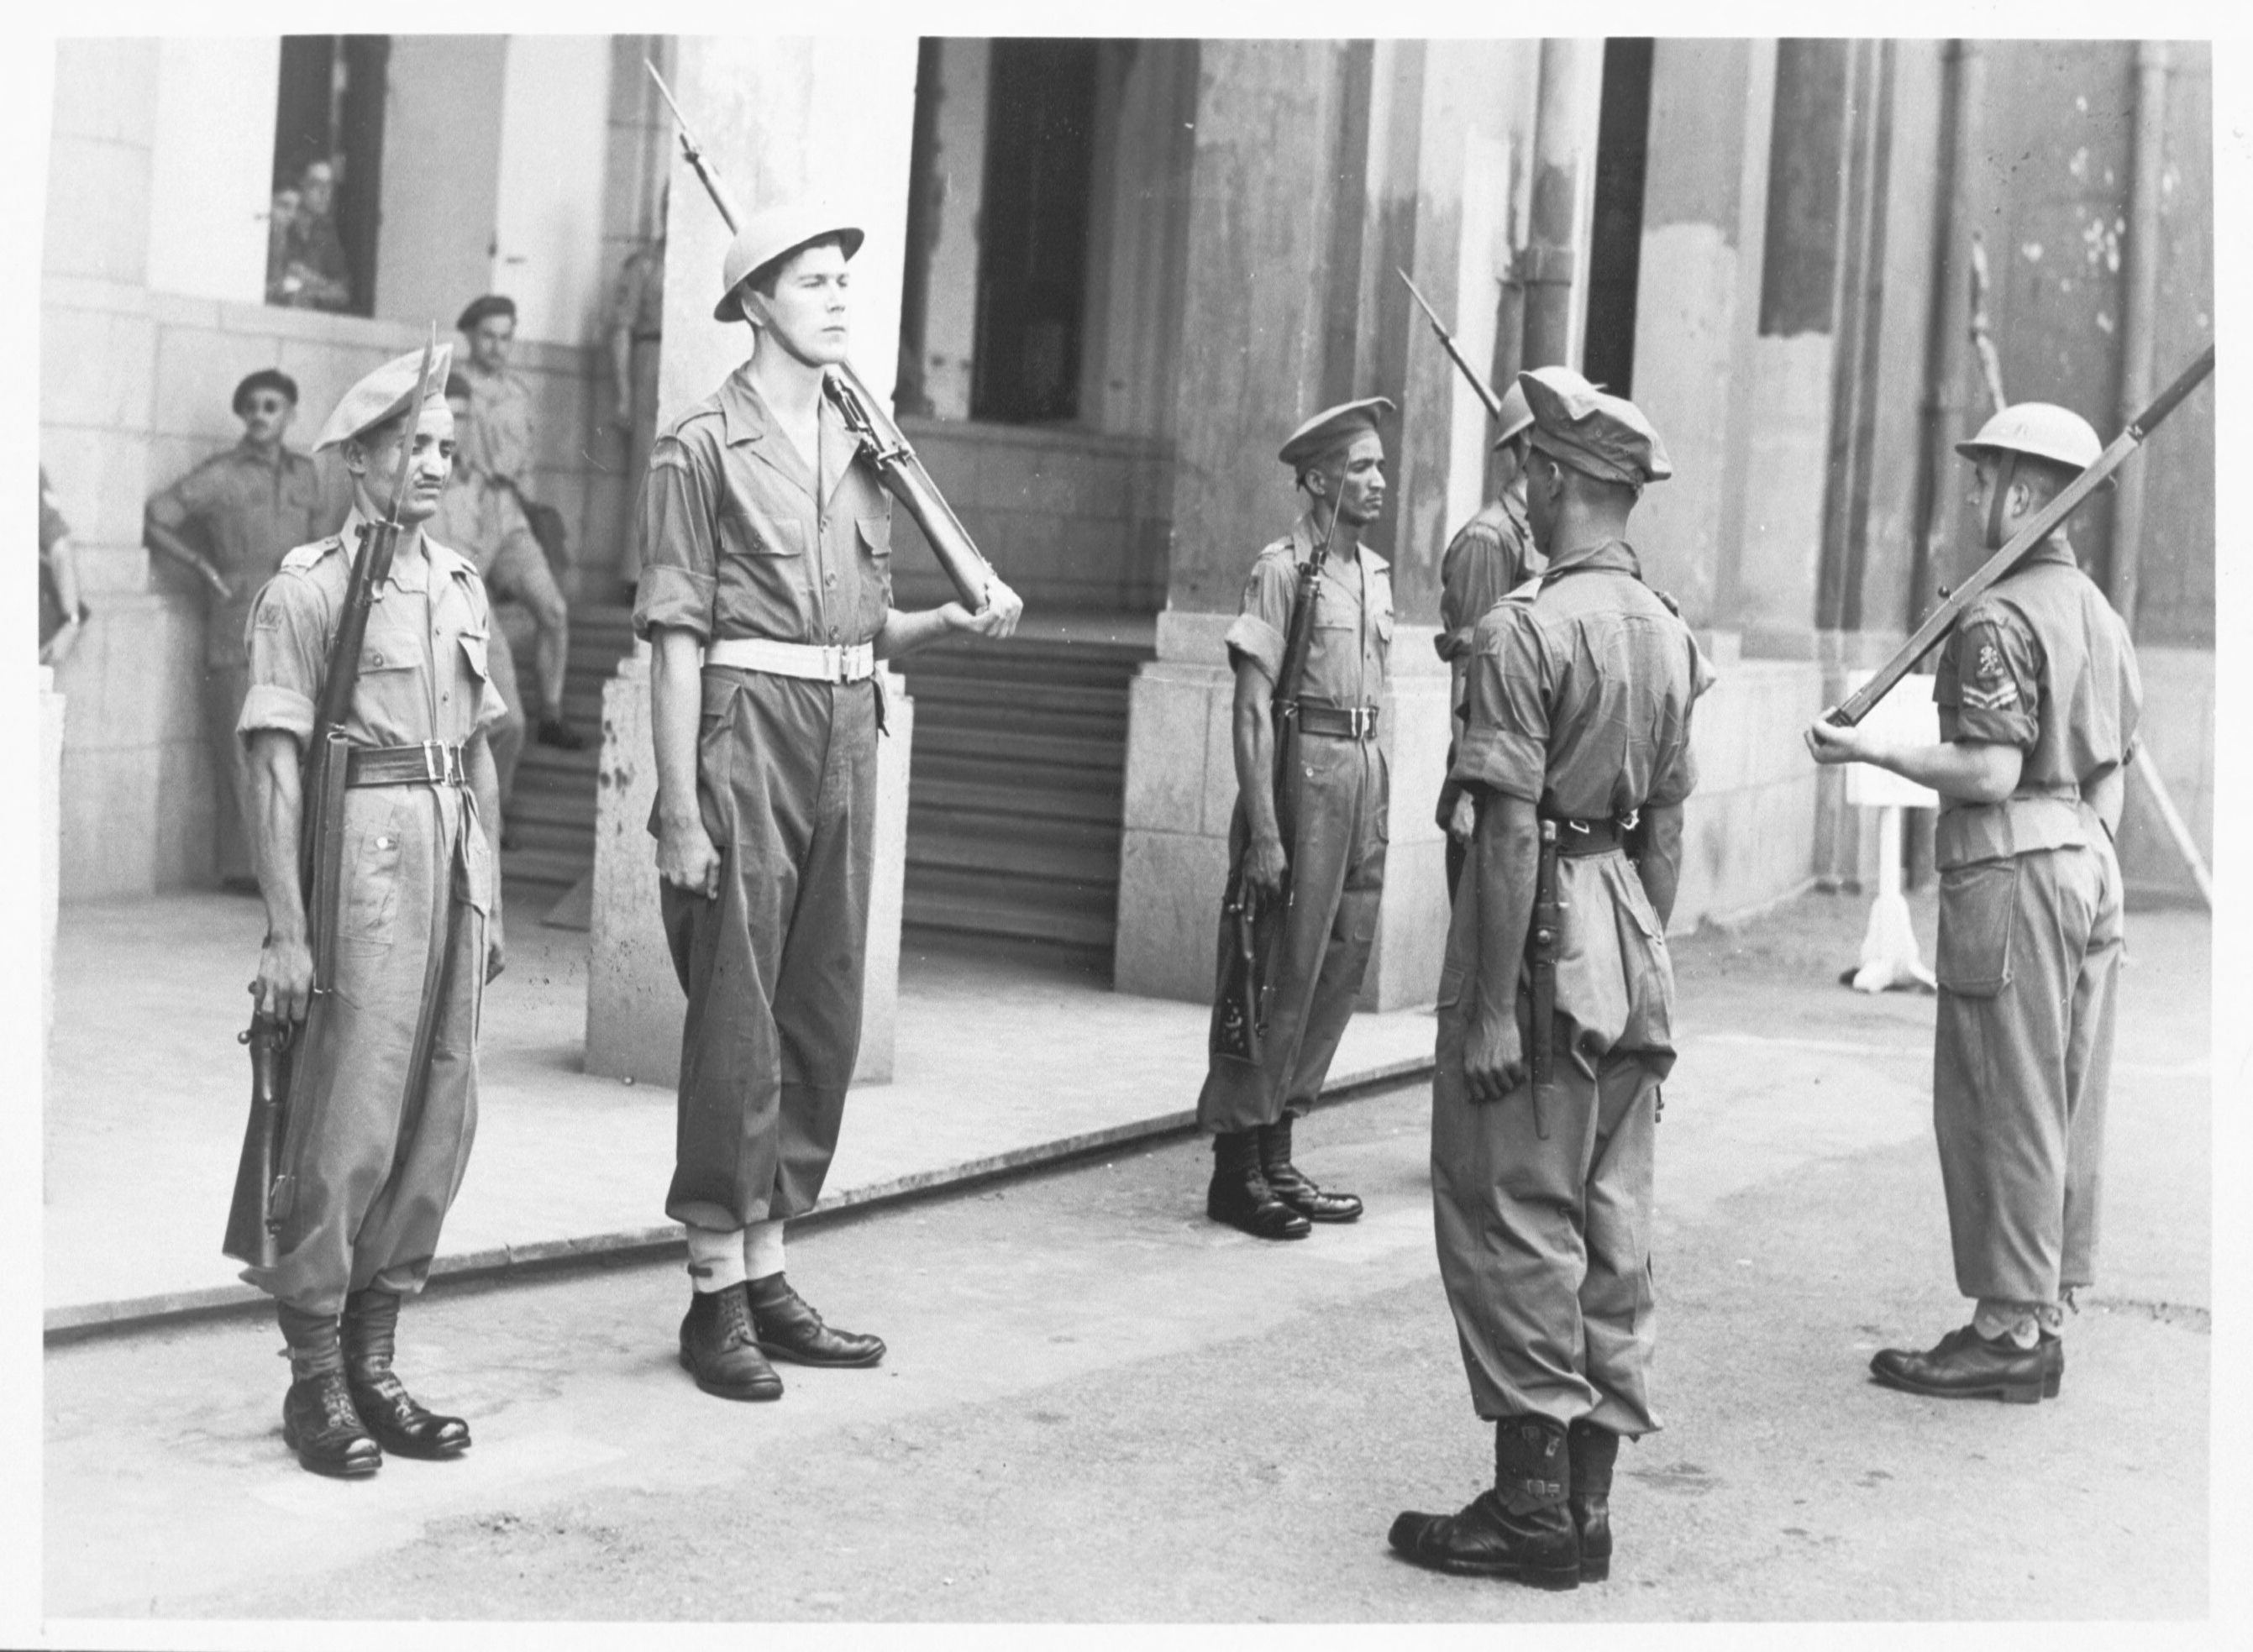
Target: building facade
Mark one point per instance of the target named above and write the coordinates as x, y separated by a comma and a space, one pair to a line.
1104, 278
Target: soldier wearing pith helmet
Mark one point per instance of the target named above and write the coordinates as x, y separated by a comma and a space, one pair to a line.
766, 596
1316, 946
1580, 687
383, 1100
2039, 697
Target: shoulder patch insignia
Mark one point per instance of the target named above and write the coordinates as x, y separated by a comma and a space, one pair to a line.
1991, 662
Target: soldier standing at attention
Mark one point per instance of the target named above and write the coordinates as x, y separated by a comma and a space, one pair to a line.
1579, 697
1318, 945
2039, 699
765, 593
230, 521
497, 450
384, 1089
1488, 559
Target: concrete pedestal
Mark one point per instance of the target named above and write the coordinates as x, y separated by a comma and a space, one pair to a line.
634, 1001
1180, 790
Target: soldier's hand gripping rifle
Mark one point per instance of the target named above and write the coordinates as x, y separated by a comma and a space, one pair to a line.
261, 1195
897, 467
1248, 987
1485, 392
1942, 619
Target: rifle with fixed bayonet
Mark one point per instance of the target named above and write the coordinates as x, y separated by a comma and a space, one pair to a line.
262, 1189
1942, 619
897, 467
1485, 391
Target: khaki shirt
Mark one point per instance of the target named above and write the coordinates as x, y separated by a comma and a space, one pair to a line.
423, 670
1350, 643
1579, 695
1489, 557
739, 539
247, 511
2040, 662
498, 443
478, 518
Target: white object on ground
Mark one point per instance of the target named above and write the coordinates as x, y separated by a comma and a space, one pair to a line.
1890, 957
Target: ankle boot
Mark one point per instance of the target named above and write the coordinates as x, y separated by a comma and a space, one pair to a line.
1239, 1194
718, 1348
1521, 1529
400, 1426
1594, 1452
1291, 1186
318, 1420
787, 1328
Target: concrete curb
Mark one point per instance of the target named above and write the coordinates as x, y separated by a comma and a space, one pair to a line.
546, 1256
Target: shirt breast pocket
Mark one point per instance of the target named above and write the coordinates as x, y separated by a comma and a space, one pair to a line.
748, 535
474, 654
876, 536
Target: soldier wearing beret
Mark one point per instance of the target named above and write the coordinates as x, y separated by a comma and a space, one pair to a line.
1488, 559
2038, 696
765, 595
1317, 946
497, 454
384, 1089
1581, 683
229, 521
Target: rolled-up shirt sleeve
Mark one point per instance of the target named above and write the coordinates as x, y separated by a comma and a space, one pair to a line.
288, 646
1260, 632
1505, 743
680, 566
491, 708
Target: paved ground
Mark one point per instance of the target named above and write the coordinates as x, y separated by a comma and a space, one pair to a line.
1101, 1407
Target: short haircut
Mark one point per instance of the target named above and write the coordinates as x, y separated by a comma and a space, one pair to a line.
768, 274
264, 379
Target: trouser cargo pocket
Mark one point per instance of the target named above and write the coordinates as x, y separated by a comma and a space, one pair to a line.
1978, 909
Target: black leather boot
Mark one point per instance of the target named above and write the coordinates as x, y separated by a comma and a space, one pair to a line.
1239, 1194
2053, 1353
1965, 1365
318, 1420
400, 1426
1522, 1529
1594, 1452
787, 1328
718, 1349
1289, 1184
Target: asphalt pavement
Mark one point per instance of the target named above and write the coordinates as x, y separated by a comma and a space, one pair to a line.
1100, 1407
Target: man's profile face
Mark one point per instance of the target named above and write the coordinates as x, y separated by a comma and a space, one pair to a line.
491, 341
320, 188
265, 414
375, 465
1359, 480
808, 314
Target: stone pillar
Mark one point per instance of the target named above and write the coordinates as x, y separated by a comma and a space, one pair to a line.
634, 1001
827, 120
51, 849
1344, 160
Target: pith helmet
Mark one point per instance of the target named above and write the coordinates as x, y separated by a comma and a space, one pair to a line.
2038, 430
776, 233
1516, 415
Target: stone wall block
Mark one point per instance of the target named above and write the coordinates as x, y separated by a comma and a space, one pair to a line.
1169, 889
1168, 712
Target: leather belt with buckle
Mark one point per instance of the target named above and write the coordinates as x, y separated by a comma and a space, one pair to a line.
1337, 723
432, 763
816, 664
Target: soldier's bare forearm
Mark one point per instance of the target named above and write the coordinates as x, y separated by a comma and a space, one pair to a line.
676, 705
278, 803
1505, 857
1660, 865
164, 543
1253, 739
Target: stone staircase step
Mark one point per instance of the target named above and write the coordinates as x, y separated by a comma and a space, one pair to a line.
1031, 750
1049, 852
960, 790
980, 912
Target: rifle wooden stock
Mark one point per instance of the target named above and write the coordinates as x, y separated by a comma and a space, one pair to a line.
1543, 938
1942, 619
248, 1236
1454, 354
1239, 1008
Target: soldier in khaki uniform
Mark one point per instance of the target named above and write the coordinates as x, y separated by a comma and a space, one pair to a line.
471, 520
229, 521
1488, 559
384, 1100
766, 596
1581, 683
2039, 699
1318, 946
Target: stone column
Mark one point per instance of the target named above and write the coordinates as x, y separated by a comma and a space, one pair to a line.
51, 849
780, 120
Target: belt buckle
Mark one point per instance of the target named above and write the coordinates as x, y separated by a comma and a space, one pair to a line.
434, 762
832, 661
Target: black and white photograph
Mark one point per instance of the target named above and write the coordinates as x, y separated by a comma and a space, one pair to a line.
890, 824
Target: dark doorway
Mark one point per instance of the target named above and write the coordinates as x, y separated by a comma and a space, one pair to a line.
1615, 238
330, 109
1032, 267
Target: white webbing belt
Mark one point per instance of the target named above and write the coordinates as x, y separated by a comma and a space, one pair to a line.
856, 663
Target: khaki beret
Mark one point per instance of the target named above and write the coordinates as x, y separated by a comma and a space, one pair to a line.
1601, 436
384, 394
1332, 429
491, 304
